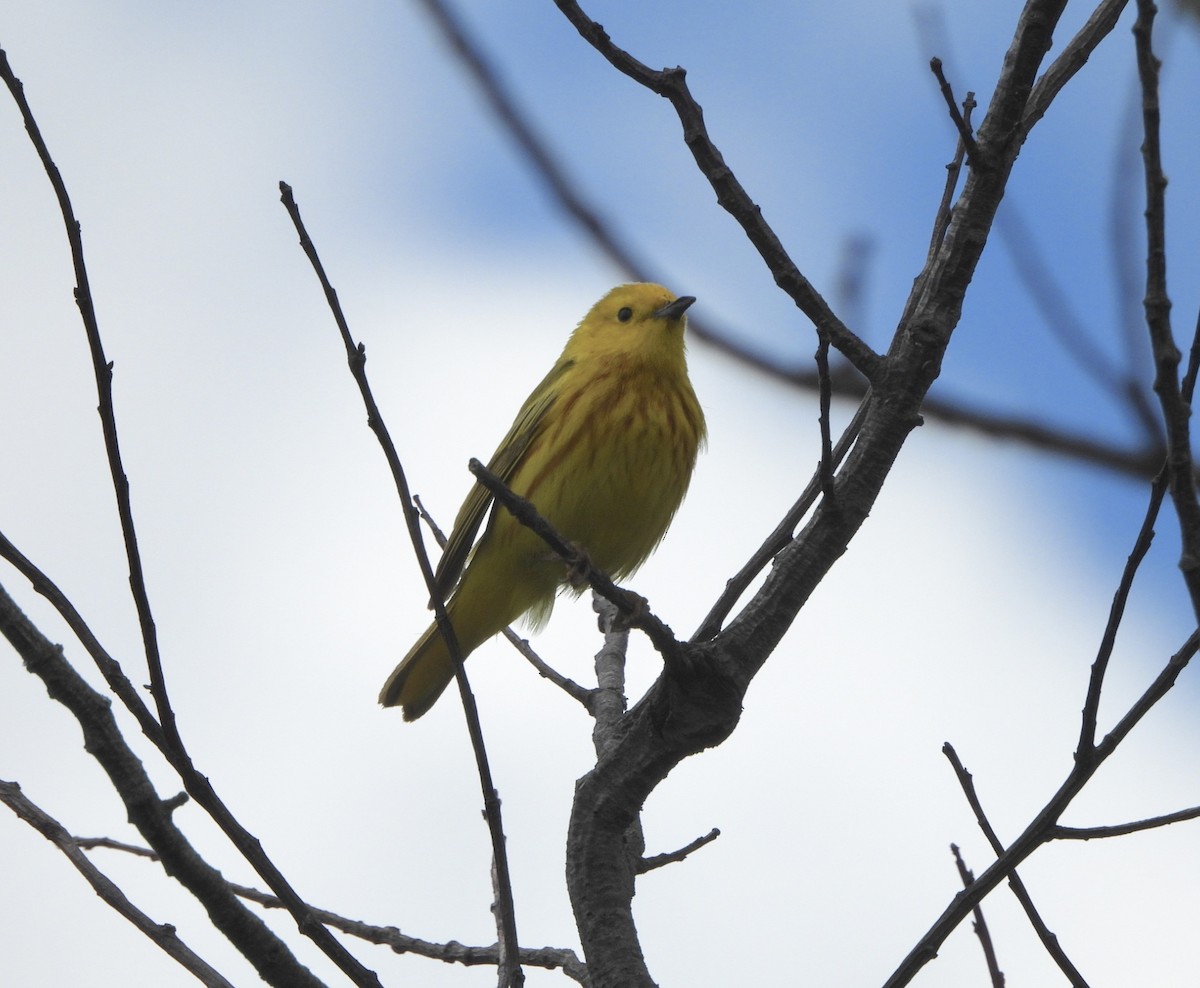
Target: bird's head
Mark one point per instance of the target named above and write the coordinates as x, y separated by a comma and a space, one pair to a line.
642, 321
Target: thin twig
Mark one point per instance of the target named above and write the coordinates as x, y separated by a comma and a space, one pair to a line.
1085, 749
941, 223
825, 468
1119, 379
565, 683
960, 122
1121, 829
945, 212
780, 537
671, 84
91, 843
102, 370
1045, 934
1163, 683
659, 860
981, 927
1193, 368
451, 952
113, 674
438, 535
1040, 829
512, 976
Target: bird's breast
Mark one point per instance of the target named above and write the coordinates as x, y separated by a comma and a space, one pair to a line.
614, 462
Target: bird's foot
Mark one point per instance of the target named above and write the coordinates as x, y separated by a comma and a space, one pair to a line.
577, 572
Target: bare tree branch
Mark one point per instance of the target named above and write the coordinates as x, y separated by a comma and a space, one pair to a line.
847, 384
1145, 536
609, 701
388, 936
1121, 380
580, 694
670, 84
660, 860
783, 534
700, 698
451, 952
825, 466
696, 701
162, 935
1121, 829
166, 736
1073, 57
113, 674
1041, 828
103, 372
91, 843
270, 956
1045, 934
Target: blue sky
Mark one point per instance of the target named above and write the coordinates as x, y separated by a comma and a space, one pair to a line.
968, 609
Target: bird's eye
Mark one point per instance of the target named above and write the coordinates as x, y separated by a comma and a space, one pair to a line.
625, 314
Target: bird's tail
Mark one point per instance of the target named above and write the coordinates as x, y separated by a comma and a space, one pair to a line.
480, 607
422, 675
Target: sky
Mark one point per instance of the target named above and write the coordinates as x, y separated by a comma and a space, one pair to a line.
968, 609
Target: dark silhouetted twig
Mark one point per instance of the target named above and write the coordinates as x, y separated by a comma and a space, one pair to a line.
659, 860
981, 927
960, 121
1045, 934
511, 975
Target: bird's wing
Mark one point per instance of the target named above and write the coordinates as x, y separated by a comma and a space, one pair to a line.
528, 426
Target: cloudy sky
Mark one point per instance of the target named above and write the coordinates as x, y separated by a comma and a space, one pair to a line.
968, 610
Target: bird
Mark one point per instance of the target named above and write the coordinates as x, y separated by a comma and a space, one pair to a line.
604, 448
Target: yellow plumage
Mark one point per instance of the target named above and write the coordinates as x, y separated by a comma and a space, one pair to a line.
604, 448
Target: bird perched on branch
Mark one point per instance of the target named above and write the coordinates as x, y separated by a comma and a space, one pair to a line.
604, 448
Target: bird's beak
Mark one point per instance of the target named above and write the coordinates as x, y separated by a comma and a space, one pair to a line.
673, 310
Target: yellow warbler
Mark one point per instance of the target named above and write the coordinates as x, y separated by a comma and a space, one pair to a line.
604, 448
